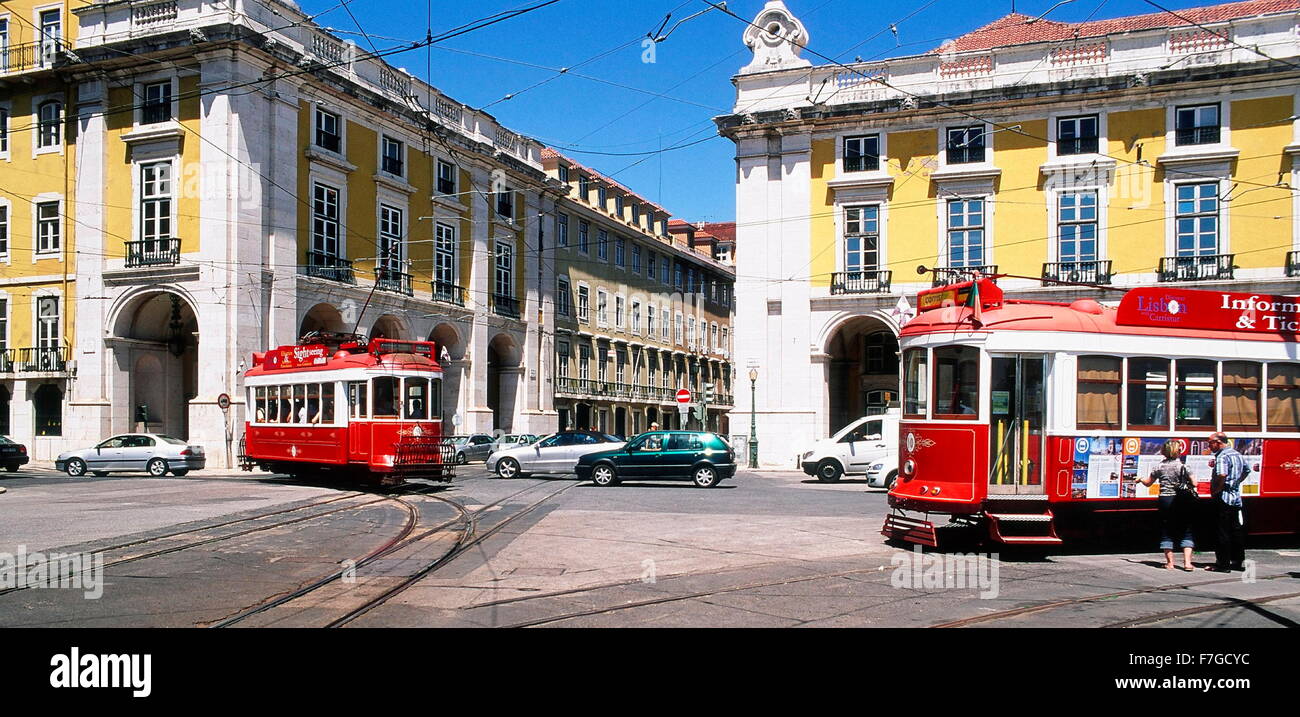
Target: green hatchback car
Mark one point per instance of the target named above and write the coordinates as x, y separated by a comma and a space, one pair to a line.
702, 458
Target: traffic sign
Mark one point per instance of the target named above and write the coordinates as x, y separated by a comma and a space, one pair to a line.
223, 401
683, 396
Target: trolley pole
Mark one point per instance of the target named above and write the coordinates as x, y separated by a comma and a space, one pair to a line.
753, 418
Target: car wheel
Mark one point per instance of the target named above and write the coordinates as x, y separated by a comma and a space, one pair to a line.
181, 472
76, 467
157, 467
461, 459
508, 468
828, 471
705, 477
889, 481
100, 474
604, 475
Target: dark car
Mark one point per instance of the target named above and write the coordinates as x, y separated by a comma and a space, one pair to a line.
703, 458
12, 454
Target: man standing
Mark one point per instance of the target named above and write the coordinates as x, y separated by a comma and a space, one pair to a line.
1230, 470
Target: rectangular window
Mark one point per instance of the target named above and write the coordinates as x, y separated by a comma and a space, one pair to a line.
4, 327
584, 187
650, 265
446, 178
584, 237
618, 206
690, 330
155, 203
4, 230
1198, 124
1148, 394
956, 382
1076, 226
47, 322
325, 220
602, 308
562, 172
678, 329
915, 382
584, 362
4, 49
965, 232
636, 258
392, 250
584, 304
506, 204
619, 305
965, 144
663, 270
1076, 135
862, 154
602, 197
620, 251
1284, 397
1241, 391
51, 36
49, 231
444, 258
157, 105
620, 364
562, 230
861, 238
1194, 395
562, 359
394, 157
504, 282
602, 364
678, 275
713, 331
602, 245
1098, 393
1197, 219
4, 118
725, 346
329, 131
636, 213
562, 306
357, 400
49, 130
664, 324
650, 320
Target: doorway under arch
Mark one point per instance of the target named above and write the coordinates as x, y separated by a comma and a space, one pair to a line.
156, 356
503, 374
321, 317
862, 370
449, 351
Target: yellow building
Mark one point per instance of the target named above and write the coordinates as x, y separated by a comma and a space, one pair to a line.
1113, 153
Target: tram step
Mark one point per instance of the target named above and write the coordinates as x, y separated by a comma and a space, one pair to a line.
1039, 497
1023, 528
1031, 539
1021, 517
911, 530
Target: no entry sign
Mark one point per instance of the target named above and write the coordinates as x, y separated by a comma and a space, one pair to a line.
683, 396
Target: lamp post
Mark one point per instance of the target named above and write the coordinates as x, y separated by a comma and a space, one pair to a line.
753, 424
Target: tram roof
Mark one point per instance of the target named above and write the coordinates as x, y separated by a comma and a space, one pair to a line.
318, 357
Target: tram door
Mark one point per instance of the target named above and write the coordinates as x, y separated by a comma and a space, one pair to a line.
1016, 424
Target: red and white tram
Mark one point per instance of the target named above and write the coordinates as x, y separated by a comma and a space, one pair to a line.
337, 404
1029, 419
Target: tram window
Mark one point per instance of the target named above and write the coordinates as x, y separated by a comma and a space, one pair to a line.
1194, 394
326, 403
915, 383
385, 397
299, 404
1099, 389
1148, 394
417, 399
357, 399
1284, 397
956, 381
260, 391
435, 399
272, 404
286, 404
1241, 395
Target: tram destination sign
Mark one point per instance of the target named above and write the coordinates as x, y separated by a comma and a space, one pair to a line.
297, 356
1212, 310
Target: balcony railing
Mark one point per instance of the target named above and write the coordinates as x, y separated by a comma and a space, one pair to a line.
1196, 268
505, 306
614, 390
153, 252
1293, 263
52, 359
449, 293
330, 267
1084, 272
30, 56
951, 275
398, 282
875, 281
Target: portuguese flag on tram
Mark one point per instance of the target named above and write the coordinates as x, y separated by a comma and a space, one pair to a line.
973, 301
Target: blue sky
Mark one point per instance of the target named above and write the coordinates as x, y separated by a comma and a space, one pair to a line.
637, 106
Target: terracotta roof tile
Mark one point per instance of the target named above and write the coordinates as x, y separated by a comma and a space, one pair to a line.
1017, 29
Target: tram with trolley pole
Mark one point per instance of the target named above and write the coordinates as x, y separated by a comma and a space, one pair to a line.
341, 405
1026, 422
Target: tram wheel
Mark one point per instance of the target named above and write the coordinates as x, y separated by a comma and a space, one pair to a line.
828, 471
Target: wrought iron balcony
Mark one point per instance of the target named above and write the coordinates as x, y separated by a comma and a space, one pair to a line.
392, 280
330, 267
153, 252
505, 306
46, 359
875, 281
1293, 263
448, 293
1085, 272
31, 56
1196, 268
951, 275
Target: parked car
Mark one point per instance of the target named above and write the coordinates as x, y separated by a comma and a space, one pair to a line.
883, 472
556, 453
151, 452
473, 448
512, 440
703, 458
853, 449
12, 454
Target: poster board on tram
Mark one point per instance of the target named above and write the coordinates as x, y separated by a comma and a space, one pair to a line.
1105, 466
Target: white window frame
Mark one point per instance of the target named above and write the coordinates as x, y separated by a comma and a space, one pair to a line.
602, 308
843, 258
842, 145
679, 329
342, 122
445, 235
563, 307
1221, 211
562, 230
455, 178
403, 145
4, 43
943, 144
38, 103
665, 327
6, 117
140, 199
584, 362
40, 341
503, 273
141, 87
6, 229
337, 220
384, 216
57, 251
38, 31
1056, 196
1054, 131
620, 311
584, 302
635, 319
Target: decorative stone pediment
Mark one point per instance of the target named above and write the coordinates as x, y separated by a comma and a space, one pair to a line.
777, 45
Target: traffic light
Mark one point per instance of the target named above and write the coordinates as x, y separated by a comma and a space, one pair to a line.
698, 411
708, 393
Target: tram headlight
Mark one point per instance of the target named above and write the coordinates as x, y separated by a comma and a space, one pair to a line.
909, 468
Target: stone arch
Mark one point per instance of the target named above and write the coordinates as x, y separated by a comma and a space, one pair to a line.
450, 354
860, 358
504, 377
321, 317
154, 340
389, 326
837, 321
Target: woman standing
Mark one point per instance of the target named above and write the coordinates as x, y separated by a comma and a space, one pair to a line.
1177, 502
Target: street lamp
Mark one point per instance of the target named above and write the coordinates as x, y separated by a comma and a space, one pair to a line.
753, 425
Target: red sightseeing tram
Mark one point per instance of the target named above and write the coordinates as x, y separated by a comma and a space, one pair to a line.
1029, 419
339, 404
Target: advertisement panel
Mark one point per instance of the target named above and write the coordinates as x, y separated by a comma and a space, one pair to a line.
1105, 466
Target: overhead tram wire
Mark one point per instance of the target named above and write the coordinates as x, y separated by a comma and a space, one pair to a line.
1226, 37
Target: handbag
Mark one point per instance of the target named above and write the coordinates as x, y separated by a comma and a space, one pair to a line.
1186, 486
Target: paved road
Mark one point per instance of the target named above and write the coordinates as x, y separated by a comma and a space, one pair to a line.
764, 549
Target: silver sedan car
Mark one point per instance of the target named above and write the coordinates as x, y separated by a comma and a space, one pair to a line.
556, 453
150, 452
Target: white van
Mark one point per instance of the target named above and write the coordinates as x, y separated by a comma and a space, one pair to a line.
853, 449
